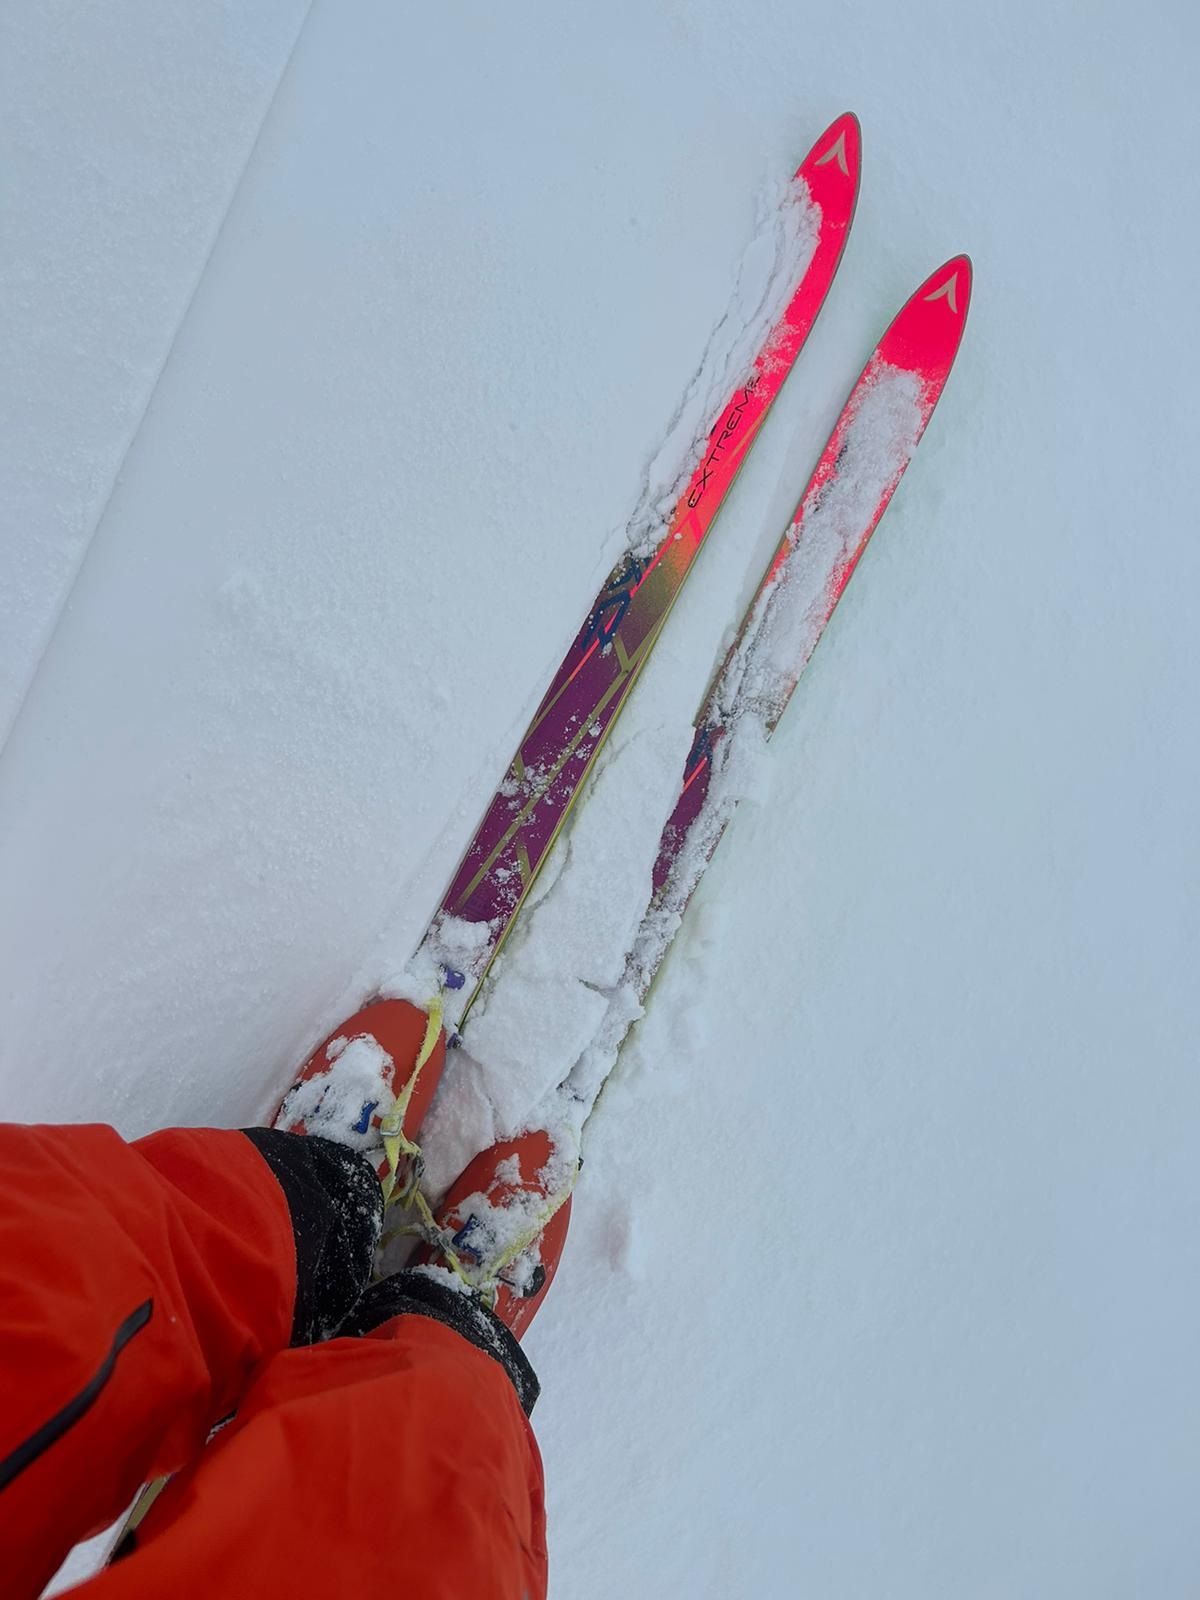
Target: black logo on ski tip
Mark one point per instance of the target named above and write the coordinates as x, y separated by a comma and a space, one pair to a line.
721, 443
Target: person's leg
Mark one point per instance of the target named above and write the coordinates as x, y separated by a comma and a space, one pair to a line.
409, 1434
400, 1461
140, 1287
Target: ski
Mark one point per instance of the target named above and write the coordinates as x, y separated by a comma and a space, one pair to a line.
867, 453
587, 692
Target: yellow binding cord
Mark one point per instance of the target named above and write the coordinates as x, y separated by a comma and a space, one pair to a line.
396, 1143
397, 1146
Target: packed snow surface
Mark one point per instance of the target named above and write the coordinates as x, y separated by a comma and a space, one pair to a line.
345, 350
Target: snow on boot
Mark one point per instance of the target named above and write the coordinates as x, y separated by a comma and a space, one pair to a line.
369, 1085
503, 1224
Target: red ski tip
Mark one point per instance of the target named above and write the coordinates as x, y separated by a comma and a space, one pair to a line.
928, 329
836, 154
951, 283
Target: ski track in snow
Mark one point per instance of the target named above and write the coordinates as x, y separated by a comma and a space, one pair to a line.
51, 566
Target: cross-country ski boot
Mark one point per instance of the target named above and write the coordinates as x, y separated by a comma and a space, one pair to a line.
503, 1224
370, 1083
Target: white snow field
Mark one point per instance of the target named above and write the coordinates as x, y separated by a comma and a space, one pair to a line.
338, 345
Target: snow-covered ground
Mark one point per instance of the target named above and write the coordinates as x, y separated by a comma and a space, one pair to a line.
337, 343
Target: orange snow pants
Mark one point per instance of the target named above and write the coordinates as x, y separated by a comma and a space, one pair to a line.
146, 1292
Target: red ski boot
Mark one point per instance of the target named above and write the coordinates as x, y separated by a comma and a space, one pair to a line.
503, 1225
493, 1249
369, 1085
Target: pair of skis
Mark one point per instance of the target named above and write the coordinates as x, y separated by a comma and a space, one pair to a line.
854, 479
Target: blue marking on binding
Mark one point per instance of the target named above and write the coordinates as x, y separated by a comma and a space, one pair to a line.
461, 1240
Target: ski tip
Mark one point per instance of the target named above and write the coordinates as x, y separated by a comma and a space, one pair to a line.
836, 158
928, 329
949, 286
848, 124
